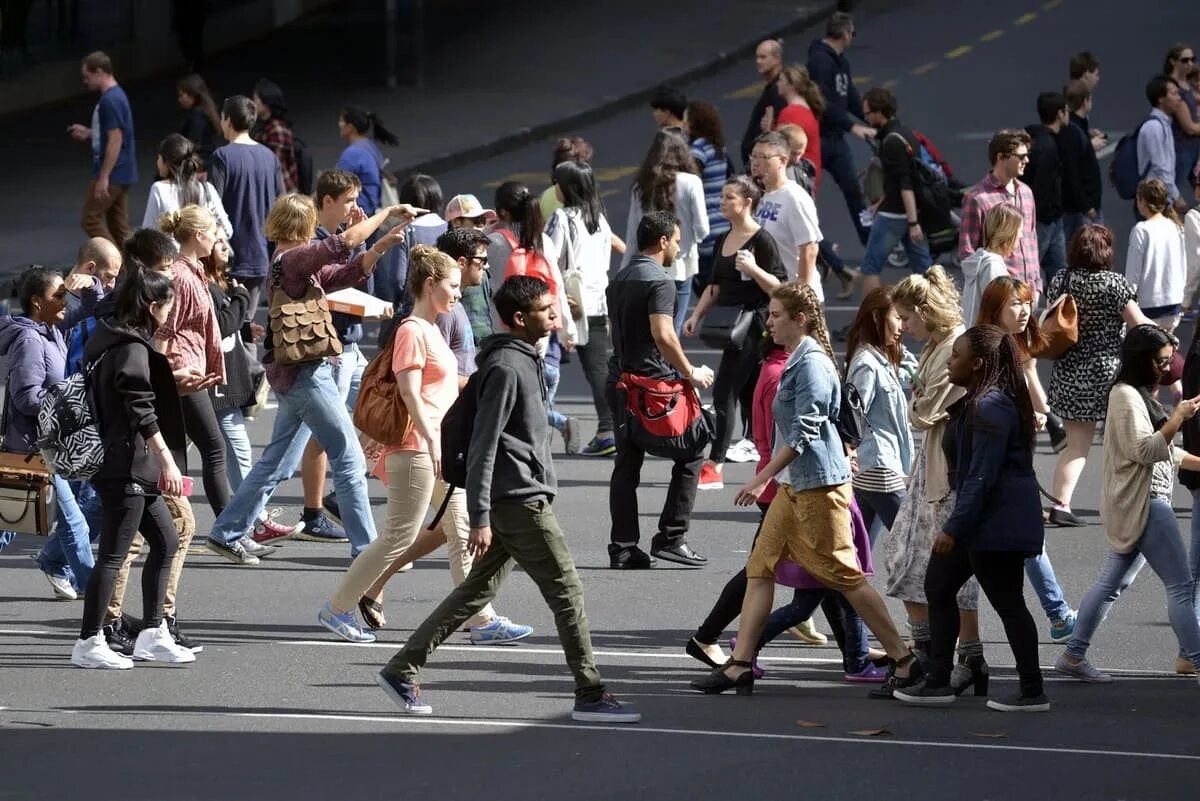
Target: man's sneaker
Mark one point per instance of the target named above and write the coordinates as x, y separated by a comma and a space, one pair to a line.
344, 625
63, 591
268, 531
500, 631
157, 645
633, 558
1082, 670
95, 653
330, 504
1018, 703
807, 633
606, 709
120, 637
710, 479
181, 639
924, 695
1061, 630
235, 552
407, 696
572, 436
742, 452
600, 447
256, 548
321, 529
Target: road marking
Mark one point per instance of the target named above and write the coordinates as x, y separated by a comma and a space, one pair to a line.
926, 68
523, 177
958, 52
606, 174
746, 92
1025, 19
891, 84
863, 80
991, 36
1052, 4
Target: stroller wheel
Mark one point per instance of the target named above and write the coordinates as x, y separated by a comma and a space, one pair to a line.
898, 258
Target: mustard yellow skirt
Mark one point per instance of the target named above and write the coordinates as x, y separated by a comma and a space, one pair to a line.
811, 528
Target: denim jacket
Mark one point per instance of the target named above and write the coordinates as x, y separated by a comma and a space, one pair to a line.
887, 438
806, 408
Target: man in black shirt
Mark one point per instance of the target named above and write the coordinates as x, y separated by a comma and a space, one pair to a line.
1044, 176
1082, 185
641, 309
768, 60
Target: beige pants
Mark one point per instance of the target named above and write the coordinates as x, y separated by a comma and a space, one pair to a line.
412, 488
185, 524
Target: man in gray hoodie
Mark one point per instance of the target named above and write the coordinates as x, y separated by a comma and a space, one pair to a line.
510, 489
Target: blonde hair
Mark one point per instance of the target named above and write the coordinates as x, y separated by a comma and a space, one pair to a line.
293, 218
427, 262
933, 296
796, 137
1002, 228
186, 222
799, 298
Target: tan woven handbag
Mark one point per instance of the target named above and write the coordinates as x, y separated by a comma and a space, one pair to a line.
301, 328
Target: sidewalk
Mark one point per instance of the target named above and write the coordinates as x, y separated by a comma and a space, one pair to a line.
496, 77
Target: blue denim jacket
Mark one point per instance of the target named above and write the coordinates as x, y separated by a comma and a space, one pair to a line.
887, 438
806, 408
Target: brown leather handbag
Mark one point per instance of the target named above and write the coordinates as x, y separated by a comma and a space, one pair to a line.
1060, 326
301, 328
27, 504
380, 412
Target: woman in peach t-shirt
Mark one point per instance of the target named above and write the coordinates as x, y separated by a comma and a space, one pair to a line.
427, 376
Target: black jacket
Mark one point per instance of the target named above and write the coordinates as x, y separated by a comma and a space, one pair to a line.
135, 398
240, 367
896, 158
831, 71
770, 97
1191, 428
1044, 173
1082, 186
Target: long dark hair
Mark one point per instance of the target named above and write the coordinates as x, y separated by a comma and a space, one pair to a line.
654, 183
272, 97
578, 186
183, 163
524, 212
366, 121
869, 325
704, 122
195, 86
1138, 350
137, 289
422, 191
1001, 370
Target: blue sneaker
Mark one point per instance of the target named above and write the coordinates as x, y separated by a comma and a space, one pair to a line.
499, 631
320, 529
605, 710
344, 625
407, 696
600, 447
1061, 630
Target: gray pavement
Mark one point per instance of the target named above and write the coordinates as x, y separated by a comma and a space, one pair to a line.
274, 708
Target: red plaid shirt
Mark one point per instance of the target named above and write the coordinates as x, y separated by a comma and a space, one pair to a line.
1023, 264
278, 136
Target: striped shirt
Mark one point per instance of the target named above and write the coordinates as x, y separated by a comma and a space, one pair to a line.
713, 174
879, 479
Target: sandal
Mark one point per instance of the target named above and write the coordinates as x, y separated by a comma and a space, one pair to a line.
372, 613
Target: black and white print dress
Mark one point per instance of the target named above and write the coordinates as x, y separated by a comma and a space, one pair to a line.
1081, 379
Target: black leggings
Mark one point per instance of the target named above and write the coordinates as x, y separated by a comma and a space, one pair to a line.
593, 358
1001, 576
200, 423
738, 368
123, 515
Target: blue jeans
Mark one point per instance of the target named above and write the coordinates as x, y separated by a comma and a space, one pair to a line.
313, 403
683, 293
1041, 577
68, 551
1194, 554
1052, 248
348, 372
239, 458
556, 419
879, 509
838, 162
1161, 547
886, 233
804, 603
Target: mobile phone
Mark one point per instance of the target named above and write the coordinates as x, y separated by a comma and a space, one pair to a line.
188, 485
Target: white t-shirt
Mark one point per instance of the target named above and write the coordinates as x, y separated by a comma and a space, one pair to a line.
164, 197
789, 215
591, 254
1156, 263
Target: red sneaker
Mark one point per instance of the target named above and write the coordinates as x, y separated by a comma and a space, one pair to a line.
710, 479
268, 531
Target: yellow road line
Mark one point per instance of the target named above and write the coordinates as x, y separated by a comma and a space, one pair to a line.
890, 84
1025, 18
991, 36
523, 177
1052, 4
925, 68
863, 80
748, 91
958, 52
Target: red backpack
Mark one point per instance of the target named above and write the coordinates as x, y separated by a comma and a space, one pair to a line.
526, 261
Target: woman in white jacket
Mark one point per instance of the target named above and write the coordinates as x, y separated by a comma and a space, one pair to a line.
1002, 227
179, 167
1155, 263
666, 181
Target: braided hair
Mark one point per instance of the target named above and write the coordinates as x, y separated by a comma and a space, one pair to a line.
800, 298
1001, 369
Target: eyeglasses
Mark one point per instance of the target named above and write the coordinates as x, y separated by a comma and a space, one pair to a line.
1187, 59
1020, 156
1163, 362
766, 156
481, 260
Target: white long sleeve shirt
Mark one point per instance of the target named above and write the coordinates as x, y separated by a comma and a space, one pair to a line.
1155, 263
692, 214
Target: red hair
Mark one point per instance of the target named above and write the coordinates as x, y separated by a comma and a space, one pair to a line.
997, 295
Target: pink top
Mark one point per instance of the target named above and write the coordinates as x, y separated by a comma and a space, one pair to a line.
191, 332
762, 420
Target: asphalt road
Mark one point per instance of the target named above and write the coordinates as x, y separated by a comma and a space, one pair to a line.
274, 708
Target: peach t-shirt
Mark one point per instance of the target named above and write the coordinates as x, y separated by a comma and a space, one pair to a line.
419, 345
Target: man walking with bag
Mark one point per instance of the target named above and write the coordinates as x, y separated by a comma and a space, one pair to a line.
641, 308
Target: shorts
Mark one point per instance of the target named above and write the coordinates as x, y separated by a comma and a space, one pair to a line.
813, 529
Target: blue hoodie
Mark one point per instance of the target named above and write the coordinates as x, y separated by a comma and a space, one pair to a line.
831, 71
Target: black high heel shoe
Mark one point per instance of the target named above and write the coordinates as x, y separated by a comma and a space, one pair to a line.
718, 681
978, 678
916, 676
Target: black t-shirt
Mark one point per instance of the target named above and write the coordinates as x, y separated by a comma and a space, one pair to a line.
736, 289
639, 290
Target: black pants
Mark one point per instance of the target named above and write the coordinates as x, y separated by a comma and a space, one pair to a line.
738, 368
622, 493
200, 423
123, 515
594, 358
1001, 576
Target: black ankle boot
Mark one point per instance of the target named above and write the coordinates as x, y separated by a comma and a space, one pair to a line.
971, 671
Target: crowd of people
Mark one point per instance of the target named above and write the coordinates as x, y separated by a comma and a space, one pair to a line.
918, 467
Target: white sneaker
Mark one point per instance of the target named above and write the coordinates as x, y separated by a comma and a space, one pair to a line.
95, 653
157, 645
572, 436
63, 591
742, 451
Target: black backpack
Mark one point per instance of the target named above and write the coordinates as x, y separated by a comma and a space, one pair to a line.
457, 427
934, 199
304, 165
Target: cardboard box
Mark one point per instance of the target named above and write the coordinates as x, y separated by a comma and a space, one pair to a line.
360, 304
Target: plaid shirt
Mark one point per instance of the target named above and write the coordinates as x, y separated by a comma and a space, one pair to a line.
278, 136
1023, 264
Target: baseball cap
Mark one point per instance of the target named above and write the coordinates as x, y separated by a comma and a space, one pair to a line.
467, 206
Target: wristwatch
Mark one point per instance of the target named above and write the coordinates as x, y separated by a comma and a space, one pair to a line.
913, 223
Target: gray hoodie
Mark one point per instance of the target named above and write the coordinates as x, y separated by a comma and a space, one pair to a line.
509, 455
979, 269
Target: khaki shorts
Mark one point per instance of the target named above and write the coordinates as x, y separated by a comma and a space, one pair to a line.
811, 528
